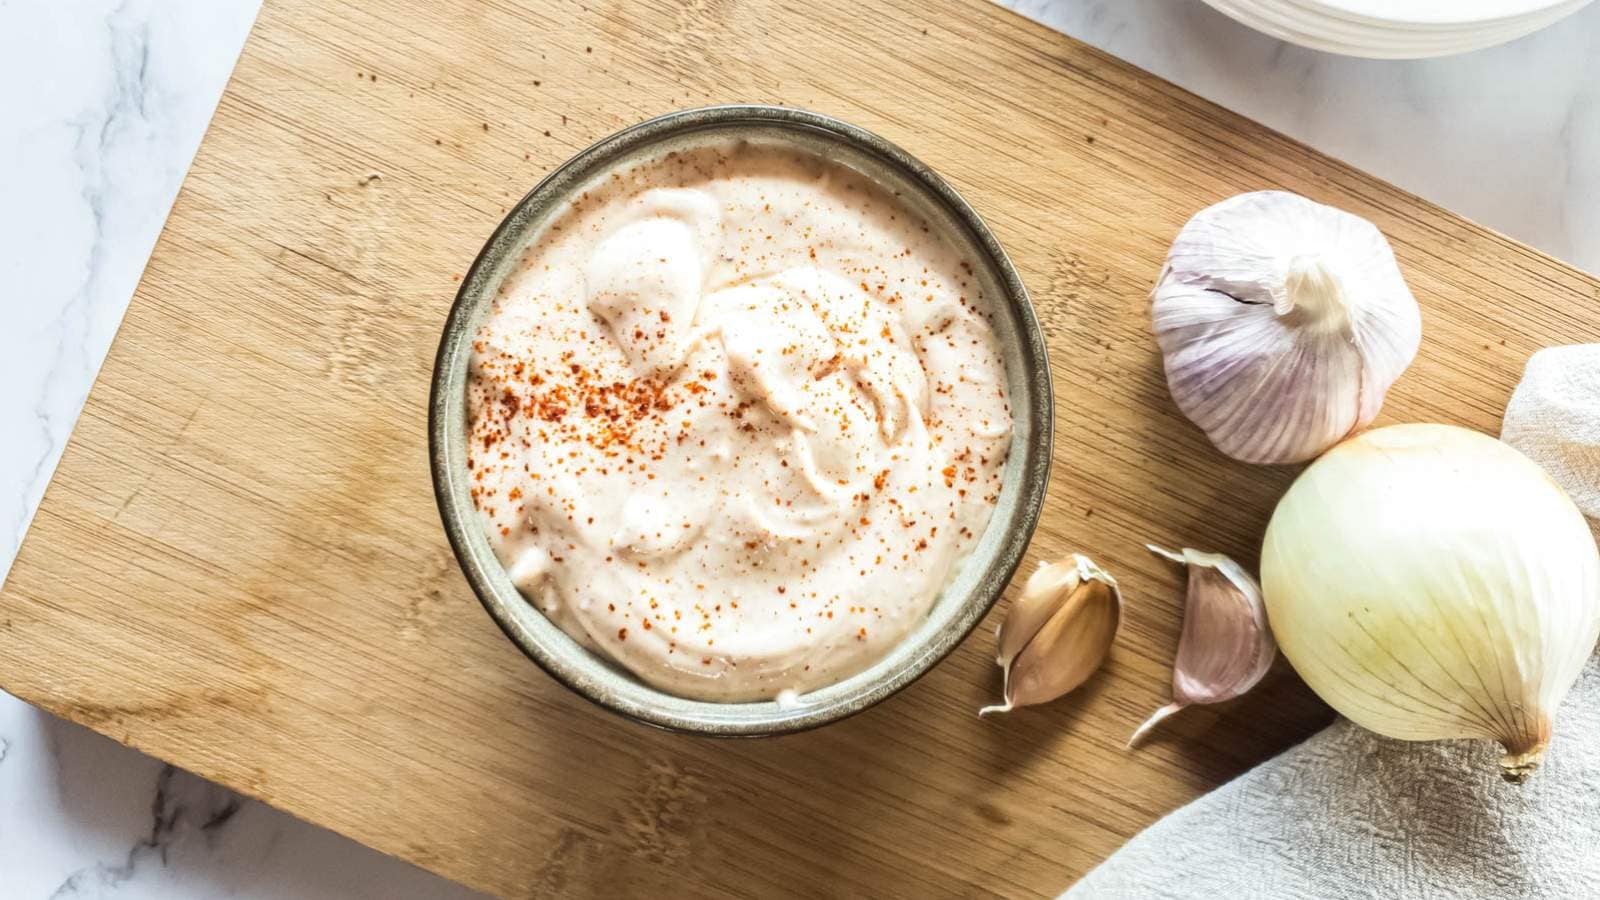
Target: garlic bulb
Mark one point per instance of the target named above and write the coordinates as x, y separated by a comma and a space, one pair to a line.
1431, 582
1281, 322
1226, 646
1057, 632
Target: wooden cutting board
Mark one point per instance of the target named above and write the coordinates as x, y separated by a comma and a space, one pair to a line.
239, 566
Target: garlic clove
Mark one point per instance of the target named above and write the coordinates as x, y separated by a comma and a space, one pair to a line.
1226, 646
1043, 594
1057, 633
1281, 323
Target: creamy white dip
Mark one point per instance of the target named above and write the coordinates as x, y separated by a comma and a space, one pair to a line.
735, 419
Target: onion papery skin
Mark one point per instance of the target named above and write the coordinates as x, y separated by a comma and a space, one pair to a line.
1431, 582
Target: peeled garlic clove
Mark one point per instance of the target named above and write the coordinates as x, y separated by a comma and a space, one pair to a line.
1057, 632
1226, 646
1282, 322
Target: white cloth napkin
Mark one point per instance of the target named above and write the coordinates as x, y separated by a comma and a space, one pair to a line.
1554, 417
1348, 814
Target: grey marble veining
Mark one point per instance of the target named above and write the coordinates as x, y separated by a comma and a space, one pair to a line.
103, 104
83, 817
1508, 136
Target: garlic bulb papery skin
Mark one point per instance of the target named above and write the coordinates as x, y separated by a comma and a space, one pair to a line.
1057, 632
1432, 582
1282, 322
1226, 646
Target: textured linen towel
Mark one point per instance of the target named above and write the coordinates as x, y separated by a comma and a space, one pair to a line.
1348, 814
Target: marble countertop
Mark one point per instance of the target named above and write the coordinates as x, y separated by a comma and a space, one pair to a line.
105, 101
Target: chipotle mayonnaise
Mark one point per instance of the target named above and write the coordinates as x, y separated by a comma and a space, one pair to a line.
735, 419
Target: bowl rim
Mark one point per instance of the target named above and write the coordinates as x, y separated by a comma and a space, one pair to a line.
450, 485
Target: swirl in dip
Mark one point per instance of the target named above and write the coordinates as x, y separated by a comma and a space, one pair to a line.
734, 420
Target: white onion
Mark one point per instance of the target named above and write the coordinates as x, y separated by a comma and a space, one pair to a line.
1431, 582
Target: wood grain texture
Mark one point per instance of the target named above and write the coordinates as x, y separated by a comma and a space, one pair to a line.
239, 566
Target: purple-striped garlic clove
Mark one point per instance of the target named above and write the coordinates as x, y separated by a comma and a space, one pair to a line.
1226, 646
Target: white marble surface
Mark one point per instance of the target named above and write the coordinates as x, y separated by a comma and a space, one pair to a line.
1508, 136
102, 105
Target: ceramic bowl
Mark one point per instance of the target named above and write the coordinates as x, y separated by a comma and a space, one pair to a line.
978, 581
1397, 29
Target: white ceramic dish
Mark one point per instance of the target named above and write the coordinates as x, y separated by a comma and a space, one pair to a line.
1399, 30
1439, 12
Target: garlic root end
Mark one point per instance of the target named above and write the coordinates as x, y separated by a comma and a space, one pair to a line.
1312, 289
1151, 722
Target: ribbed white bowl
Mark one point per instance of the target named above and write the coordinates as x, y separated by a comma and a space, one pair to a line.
1397, 29
1435, 12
